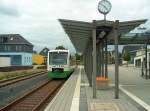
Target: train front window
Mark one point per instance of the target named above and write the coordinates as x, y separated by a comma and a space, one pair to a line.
56, 58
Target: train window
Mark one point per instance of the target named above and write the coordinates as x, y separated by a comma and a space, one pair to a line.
56, 58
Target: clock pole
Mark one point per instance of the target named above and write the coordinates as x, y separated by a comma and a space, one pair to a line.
105, 17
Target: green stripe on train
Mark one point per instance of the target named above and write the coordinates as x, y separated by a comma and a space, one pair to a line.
58, 74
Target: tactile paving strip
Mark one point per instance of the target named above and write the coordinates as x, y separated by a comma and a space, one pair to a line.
104, 107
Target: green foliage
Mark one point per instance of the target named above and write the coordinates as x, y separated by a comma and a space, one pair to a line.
24, 72
79, 58
126, 56
7, 75
60, 47
34, 52
44, 51
34, 63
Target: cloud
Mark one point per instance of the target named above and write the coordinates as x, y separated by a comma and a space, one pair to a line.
8, 9
39, 24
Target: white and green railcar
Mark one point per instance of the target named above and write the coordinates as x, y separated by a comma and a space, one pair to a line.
58, 64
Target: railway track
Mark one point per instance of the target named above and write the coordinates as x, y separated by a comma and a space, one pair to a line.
7, 82
33, 100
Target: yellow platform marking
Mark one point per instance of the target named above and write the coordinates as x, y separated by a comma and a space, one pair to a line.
104, 107
76, 96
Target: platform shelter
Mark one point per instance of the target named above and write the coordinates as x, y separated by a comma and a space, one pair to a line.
92, 38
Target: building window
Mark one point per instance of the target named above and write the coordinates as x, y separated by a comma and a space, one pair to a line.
19, 48
1, 40
25, 59
5, 39
5, 48
8, 48
16, 48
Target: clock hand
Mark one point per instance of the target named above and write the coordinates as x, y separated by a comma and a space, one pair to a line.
104, 6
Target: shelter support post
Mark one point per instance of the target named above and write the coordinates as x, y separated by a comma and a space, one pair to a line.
146, 62
142, 69
102, 59
90, 62
85, 63
116, 60
149, 66
94, 59
106, 59
142, 72
98, 60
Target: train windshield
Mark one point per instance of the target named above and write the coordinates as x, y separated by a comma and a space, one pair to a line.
56, 58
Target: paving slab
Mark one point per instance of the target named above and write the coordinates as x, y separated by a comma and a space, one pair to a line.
103, 96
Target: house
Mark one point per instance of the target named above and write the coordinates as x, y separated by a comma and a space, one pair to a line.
140, 57
37, 59
18, 49
5, 61
131, 49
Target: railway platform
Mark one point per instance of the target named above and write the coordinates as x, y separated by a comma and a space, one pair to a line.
76, 95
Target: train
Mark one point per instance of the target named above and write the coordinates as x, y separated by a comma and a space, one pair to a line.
58, 64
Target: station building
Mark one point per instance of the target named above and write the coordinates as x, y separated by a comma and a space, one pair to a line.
18, 49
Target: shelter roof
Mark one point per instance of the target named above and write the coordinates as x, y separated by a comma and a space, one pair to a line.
80, 32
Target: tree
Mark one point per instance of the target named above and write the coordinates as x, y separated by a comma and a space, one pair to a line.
79, 58
126, 57
60, 47
34, 52
44, 51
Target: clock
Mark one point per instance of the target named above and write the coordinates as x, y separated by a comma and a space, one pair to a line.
104, 7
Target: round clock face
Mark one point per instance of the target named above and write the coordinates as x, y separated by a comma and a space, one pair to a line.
104, 6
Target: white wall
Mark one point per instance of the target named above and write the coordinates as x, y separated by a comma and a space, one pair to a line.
5, 61
26, 59
142, 58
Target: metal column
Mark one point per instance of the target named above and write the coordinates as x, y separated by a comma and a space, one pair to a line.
116, 60
106, 59
98, 60
142, 72
85, 63
90, 62
94, 58
149, 66
102, 59
100, 65
146, 61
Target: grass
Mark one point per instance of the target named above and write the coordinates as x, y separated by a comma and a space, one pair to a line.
7, 75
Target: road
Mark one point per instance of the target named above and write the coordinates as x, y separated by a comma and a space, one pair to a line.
130, 78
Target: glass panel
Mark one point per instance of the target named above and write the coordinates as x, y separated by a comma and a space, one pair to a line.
56, 58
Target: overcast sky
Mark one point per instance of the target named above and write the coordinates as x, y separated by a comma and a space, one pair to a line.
37, 20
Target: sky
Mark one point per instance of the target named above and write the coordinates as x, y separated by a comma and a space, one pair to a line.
37, 20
